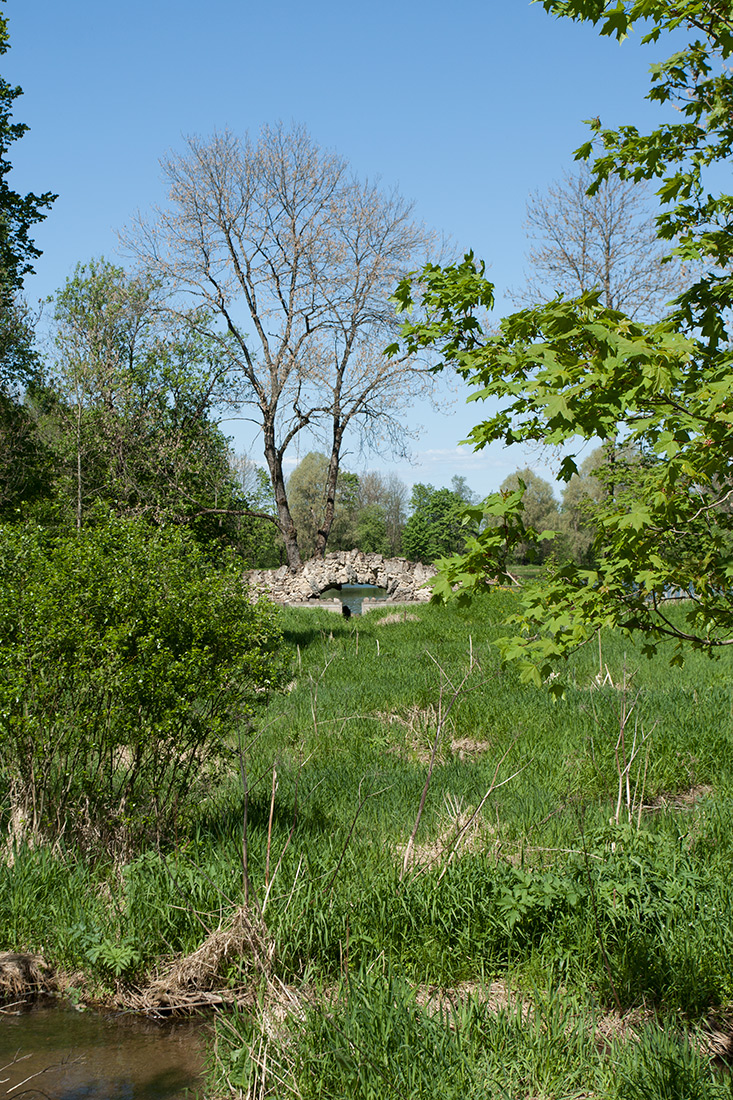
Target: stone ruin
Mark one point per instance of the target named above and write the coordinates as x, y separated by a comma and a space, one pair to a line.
401, 578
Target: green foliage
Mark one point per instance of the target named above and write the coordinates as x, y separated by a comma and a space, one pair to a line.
26, 461
438, 524
19, 212
378, 1043
574, 370
371, 530
531, 900
257, 535
307, 500
128, 663
381, 513
21, 463
666, 1066
539, 511
129, 415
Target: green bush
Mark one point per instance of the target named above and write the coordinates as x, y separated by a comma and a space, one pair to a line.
127, 662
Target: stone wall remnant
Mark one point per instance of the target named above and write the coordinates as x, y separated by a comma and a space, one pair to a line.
401, 578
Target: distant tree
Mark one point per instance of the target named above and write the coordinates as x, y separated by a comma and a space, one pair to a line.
605, 241
307, 493
540, 511
344, 528
382, 512
371, 530
436, 526
258, 536
298, 260
609, 472
461, 488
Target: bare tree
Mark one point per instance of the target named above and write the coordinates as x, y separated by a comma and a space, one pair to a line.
606, 241
298, 259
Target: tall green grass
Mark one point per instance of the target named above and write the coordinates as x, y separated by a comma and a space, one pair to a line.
554, 885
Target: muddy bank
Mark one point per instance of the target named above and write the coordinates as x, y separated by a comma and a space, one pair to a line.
186, 984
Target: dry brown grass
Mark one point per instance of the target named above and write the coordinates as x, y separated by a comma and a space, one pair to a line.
23, 976
466, 747
679, 800
419, 725
199, 980
396, 617
462, 831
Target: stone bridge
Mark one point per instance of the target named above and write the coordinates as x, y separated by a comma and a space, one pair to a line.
401, 578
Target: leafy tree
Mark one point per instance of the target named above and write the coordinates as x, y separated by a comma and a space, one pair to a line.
540, 510
23, 459
578, 370
460, 487
128, 665
607, 471
258, 536
436, 526
371, 530
308, 491
580, 495
26, 460
18, 214
132, 425
382, 512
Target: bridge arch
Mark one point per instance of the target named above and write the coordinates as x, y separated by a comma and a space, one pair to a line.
401, 578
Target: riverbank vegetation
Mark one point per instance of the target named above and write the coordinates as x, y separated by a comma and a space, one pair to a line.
550, 915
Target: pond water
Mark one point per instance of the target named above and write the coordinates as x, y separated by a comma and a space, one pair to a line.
55, 1052
353, 595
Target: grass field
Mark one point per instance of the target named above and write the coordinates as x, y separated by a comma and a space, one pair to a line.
549, 916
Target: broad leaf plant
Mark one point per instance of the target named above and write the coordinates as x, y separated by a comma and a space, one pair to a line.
573, 371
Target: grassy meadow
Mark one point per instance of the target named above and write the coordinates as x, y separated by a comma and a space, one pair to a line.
551, 915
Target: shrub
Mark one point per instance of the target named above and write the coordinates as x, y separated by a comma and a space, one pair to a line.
126, 664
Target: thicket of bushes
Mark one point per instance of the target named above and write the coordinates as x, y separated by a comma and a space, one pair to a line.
128, 664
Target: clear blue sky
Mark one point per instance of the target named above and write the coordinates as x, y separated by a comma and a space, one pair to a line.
465, 107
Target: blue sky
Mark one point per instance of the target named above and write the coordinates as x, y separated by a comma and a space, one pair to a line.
465, 107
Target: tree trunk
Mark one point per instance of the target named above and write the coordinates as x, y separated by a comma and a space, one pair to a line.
331, 480
284, 519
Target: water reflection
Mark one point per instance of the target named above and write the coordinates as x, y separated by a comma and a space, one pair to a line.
353, 595
60, 1054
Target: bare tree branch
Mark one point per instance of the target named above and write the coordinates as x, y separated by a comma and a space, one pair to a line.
606, 241
298, 259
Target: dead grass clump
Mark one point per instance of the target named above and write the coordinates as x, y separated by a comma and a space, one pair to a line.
419, 725
24, 975
614, 1027
679, 800
495, 997
198, 979
397, 617
715, 1039
468, 746
464, 831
